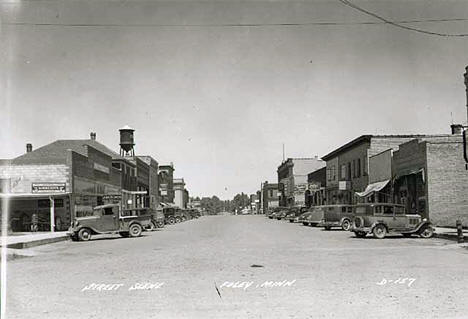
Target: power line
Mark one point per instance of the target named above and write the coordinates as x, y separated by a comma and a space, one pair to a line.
399, 24
325, 23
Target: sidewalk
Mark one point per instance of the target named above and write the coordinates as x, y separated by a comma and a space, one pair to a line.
449, 233
28, 240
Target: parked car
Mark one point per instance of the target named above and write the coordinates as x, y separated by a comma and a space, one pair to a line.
316, 215
304, 217
381, 219
294, 213
274, 212
147, 223
158, 218
107, 219
337, 216
282, 213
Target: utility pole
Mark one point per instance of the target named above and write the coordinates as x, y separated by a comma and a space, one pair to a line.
283, 143
466, 90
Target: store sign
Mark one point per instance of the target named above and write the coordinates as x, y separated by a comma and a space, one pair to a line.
101, 168
112, 197
48, 187
344, 185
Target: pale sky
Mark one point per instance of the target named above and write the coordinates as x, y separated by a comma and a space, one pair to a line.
219, 101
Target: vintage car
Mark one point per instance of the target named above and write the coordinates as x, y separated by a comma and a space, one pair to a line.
107, 219
337, 216
303, 218
294, 213
282, 213
381, 219
316, 215
172, 215
274, 212
147, 223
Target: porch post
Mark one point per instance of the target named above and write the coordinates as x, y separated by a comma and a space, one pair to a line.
52, 214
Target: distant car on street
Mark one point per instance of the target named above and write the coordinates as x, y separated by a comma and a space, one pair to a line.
381, 219
107, 219
337, 216
294, 213
304, 217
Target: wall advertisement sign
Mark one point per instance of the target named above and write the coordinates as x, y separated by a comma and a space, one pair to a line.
48, 188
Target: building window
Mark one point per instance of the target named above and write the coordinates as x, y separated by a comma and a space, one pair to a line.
271, 193
358, 166
364, 164
343, 172
349, 171
354, 168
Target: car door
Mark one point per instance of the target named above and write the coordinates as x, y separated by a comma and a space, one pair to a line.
110, 218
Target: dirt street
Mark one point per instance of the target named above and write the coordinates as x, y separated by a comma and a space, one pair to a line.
241, 267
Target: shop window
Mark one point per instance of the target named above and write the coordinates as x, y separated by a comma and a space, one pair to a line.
43, 203
58, 202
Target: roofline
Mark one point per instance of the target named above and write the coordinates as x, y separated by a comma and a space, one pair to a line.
367, 138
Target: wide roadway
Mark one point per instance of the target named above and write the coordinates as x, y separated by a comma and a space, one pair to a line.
319, 274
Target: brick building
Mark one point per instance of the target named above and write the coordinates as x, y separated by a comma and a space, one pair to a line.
153, 181
430, 179
269, 197
348, 166
166, 184
316, 182
292, 179
64, 179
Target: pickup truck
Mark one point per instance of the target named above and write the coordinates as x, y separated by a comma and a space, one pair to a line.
108, 219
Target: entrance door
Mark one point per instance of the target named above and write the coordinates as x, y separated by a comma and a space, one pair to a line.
110, 218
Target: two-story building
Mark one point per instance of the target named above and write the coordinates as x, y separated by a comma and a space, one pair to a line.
316, 182
348, 165
166, 183
292, 179
64, 179
180, 193
269, 196
430, 179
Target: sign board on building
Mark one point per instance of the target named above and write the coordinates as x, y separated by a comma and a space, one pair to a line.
112, 197
344, 185
101, 168
48, 187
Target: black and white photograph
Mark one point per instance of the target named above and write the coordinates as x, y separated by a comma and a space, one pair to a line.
234, 159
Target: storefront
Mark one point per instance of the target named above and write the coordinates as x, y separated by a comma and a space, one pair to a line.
34, 212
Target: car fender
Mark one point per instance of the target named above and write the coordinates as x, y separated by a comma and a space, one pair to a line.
379, 222
135, 222
423, 224
93, 230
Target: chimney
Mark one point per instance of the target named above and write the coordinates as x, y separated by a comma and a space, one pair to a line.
28, 148
457, 129
93, 135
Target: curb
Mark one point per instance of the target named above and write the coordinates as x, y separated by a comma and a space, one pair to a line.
38, 242
453, 237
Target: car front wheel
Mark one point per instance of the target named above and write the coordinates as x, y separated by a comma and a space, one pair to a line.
84, 234
428, 232
379, 231
135, 230
346, 224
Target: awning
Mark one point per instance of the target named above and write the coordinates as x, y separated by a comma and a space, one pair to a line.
374, 187
410, 172
31, 195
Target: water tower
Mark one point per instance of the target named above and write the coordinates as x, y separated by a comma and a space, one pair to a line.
126, 141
